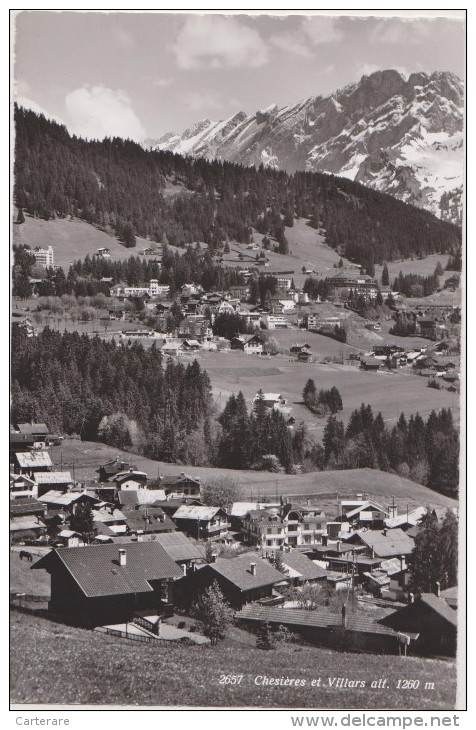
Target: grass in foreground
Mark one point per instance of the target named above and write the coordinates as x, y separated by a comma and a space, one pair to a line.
52, 664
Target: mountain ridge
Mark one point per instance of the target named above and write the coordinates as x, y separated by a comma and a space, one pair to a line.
395, 135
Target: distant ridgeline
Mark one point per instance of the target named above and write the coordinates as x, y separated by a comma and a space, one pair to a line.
123, 189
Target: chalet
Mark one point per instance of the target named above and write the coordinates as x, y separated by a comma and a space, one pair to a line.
113, 519
69, 538
383, 543
57, 480
26, 508
370, 363
20, 442
431, 617
239, 510
104, 584
297, 348
251, 345
32, 462
264, 528
405, 520
181, 484
305, 525
398, 579
325, 628
26, 527
130, 479
147, 520
22, 486
369, 514
243, 579
191, 345
39, 430
111, 468
270, 400
201, 521
305, 356
69, 501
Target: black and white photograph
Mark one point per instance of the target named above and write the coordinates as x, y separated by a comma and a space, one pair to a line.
237, 360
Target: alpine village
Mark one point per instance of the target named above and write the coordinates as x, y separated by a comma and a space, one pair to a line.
234, 441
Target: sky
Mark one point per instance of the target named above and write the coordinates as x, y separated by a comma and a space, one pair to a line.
139, 75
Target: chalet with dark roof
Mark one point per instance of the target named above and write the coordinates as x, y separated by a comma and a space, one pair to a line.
104, 584
243, 579
109, 470
433, 619
182, 484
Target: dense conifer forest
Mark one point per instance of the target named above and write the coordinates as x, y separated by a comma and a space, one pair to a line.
125, 395
118, 186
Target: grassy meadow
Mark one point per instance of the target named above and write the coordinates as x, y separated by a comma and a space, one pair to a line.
52, 664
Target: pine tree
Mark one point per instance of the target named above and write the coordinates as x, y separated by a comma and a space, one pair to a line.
20, 216
385, 276
424, 562
82, 521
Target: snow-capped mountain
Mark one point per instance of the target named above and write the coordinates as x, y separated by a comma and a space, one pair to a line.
396, 135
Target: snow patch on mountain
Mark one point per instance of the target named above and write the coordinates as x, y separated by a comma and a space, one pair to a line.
396, 135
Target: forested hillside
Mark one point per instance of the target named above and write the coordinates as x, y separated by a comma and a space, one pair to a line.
123, 189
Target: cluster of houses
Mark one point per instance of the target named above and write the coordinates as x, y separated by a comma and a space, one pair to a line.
147, 552
432, 362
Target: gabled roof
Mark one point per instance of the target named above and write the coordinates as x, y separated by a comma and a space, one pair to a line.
173, 479
412, 518
238, 571
395, 542
96, 569
192, 512
302, 565
64, 500
53, 477
152, 519
440, 606
366, 506
123, 476
322, 618
180, 547
19, 507
33, 428
33, 459
29, 522
106, 515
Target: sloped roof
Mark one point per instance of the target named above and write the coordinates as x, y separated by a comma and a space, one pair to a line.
33, 428
322, 618
150, 496
195, 512
105, 516
395, 542
64, 500
302, 565
26, 523
96, 569
20, 507
440, 606
173, 479
155, 520
364, 507
411, 519
53, 477
240, 509
33, 459
124, 475
179, 547
238, 571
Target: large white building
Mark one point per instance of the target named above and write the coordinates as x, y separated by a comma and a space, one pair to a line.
44, 256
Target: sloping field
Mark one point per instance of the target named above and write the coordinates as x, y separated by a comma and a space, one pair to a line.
71, 239
100, 669
87, 456
388, 392
307, 248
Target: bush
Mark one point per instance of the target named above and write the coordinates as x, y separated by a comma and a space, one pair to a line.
433, 383
181, 625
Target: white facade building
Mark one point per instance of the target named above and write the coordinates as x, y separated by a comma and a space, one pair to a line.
44, 256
